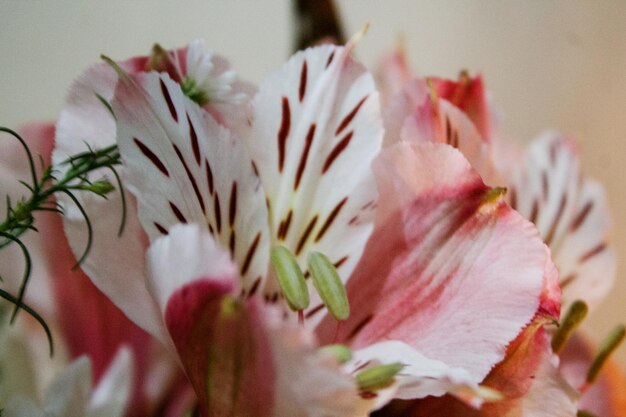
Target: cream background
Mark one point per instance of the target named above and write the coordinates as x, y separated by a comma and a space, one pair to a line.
548, 64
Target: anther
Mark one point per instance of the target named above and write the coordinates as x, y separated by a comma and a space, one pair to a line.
329, 286
378, 377
341, 352
290, 278
613, 340
572, 319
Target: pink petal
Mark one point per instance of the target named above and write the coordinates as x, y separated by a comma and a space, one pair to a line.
457, 273
14, 168
468, 94
316, 130
392, 74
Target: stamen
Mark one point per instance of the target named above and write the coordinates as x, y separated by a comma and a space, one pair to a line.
290, 278
341, 352
574, 316
613, 340
329, 286
378, 377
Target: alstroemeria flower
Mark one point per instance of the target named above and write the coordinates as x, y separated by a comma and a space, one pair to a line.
545, 186
298, 174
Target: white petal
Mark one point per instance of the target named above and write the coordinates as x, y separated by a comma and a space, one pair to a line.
185, 168
112, 395
188, 253
571, 213
420, 377
315, 132
68, 394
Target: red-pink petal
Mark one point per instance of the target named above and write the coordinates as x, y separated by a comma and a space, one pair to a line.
456, 273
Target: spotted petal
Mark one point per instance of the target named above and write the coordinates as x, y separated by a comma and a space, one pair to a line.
571, 213
316, 129
185, 168
455, 273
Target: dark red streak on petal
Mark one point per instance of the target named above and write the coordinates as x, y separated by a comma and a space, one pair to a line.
160, 228
555, 221
218, 212
152, 157
250, 254
346, 120
593, 252
209, 176
232, 207
337, 150
580, 218
255, 287
177, 213
283, 228
305, 155
168, 100
231, 243
314, 311
195, 146
330, 59
194, 184
305, 235
330, 219
283, 133
303, 80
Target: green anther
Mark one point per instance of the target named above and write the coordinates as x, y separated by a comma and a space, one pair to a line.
584, 413
341, 352
613, 340
378, 377
574, 316
290, 278
329, 286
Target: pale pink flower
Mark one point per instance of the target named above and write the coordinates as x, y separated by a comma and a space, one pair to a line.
441, 287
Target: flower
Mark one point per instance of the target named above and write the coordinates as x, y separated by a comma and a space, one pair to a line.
546, 186
441, 260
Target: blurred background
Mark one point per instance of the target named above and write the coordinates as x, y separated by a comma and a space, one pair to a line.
548, 64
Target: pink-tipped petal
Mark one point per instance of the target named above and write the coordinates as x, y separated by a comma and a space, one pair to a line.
455, 273
221, 341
